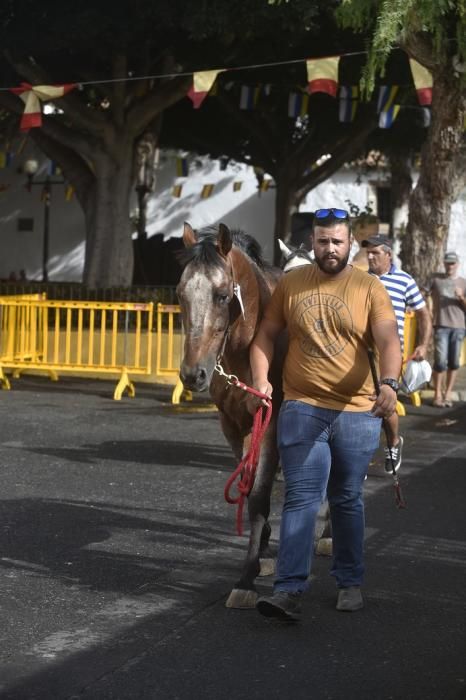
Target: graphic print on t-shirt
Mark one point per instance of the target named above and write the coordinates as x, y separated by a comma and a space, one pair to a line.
325, 323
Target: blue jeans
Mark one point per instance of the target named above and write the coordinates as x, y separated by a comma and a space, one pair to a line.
448, 342
323, 452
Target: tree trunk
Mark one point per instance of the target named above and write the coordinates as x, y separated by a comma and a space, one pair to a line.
430, 202
109, 247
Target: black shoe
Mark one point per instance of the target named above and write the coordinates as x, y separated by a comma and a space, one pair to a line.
393, 457
281, 605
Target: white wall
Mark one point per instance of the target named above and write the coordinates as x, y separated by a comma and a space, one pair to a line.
23, 250
246, 209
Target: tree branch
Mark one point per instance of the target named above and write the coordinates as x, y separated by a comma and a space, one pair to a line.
247, 121
74, 167
343, 151
142, 112
70, 104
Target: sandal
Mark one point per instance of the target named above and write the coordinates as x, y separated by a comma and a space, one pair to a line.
438, 403
448, 403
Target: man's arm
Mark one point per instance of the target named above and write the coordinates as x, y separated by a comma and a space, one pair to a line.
424, 323
261, 354
387, 342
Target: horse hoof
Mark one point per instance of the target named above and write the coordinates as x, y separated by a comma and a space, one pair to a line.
324, 547
267, 567
241, 599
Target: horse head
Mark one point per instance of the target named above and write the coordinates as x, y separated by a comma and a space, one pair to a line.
294, 257
206, 291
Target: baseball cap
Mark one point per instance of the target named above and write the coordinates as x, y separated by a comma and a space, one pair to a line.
451, 257
377, 239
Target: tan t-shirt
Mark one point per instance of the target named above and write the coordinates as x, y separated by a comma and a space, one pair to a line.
328, 322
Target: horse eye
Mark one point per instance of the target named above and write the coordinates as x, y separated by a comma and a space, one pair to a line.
222, 298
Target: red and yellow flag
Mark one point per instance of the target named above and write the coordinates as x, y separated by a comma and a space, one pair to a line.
32, 95
202, 82
422, 81
322, 75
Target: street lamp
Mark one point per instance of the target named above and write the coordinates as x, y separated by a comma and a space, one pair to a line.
30, 168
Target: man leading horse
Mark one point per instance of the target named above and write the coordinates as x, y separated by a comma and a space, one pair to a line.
329, 423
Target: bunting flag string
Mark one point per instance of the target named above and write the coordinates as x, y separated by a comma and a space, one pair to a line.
322, 75
349, 98
298, 104
53, 168
202, 83
176, 191
69, 192
248, 97
32, 97
237, 186
388, 116
426, 116
207, 191
422, 82
182, 167
386, 99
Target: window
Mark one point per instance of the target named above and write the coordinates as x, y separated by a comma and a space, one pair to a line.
384, 204
25, 224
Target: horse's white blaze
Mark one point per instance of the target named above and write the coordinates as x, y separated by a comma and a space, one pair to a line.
201, 314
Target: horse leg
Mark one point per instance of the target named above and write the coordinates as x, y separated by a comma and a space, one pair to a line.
244, 593
266, 558
323, 533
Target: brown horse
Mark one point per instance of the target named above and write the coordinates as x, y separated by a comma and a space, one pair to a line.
223, 290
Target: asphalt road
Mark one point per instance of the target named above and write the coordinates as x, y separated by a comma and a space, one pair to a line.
118, 552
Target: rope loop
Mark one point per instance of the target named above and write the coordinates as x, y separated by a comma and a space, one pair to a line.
245, 473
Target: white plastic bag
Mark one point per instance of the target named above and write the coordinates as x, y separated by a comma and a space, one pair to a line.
415, 375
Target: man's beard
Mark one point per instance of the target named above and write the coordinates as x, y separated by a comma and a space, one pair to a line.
322, 262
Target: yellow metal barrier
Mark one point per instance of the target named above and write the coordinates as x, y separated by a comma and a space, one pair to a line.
410, 331
170, 330
12, 318
111, 338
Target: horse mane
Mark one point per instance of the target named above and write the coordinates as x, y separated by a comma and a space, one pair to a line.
205, 250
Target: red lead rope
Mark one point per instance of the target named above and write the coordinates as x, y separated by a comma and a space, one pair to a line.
246, 469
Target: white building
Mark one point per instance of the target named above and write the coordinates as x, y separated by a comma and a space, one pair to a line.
239, 206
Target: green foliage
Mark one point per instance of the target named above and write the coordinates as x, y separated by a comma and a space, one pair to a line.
362, 217
440, 24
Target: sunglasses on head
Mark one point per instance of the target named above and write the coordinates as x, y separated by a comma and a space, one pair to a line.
341, 214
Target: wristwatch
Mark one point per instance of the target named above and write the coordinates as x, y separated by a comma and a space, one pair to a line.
392, 383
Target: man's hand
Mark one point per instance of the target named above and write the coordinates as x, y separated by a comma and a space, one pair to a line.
254, 402
419, 353
385, 403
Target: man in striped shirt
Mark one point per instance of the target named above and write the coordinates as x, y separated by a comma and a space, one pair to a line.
403, 292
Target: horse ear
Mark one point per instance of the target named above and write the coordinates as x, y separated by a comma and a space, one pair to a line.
224, 239
283, 247
189, 237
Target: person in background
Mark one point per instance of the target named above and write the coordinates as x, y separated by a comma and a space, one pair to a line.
329, 423
448, 292
403, 292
